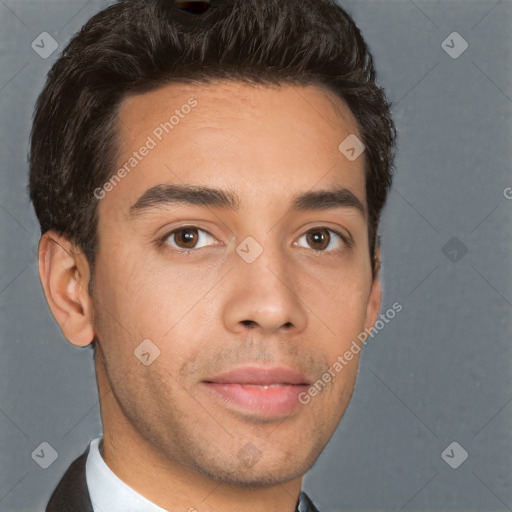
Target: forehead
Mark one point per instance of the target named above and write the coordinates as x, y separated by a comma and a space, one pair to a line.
262, 141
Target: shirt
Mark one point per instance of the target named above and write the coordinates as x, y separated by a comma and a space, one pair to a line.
109, 493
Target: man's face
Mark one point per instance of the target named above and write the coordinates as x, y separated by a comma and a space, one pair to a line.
294, 295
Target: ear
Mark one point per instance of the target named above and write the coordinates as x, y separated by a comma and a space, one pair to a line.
375, 296
65, 273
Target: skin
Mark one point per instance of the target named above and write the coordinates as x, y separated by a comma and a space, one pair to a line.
209, 311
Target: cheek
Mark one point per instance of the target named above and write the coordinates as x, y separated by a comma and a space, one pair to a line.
339, 309
138, 298
167, 303
120, 298
341, 295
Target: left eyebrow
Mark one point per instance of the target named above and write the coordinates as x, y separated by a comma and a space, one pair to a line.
338, 197
167, 194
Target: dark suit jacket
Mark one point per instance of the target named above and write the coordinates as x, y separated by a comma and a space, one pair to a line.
72, 495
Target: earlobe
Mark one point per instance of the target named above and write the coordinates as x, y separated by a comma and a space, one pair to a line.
64, 273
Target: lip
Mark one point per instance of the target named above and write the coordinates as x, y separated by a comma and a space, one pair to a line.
261, 376
262, 391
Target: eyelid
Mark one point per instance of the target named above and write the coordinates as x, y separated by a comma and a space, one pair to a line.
163, 240
345, 239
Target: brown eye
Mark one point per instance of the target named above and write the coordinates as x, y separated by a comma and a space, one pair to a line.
324, 239
188, 237
318, 239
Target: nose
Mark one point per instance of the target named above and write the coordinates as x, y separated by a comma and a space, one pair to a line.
264, 295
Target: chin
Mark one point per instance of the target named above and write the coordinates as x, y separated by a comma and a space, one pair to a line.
266, 472
254, 479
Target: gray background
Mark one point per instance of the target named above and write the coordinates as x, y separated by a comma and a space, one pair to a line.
439, 372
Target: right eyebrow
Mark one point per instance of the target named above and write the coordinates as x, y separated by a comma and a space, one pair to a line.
165, 194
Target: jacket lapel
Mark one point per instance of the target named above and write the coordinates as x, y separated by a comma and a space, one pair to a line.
71, 494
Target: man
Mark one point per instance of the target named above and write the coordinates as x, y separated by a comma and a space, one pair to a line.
209, 183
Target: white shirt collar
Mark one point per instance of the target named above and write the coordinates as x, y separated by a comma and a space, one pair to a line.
107, 491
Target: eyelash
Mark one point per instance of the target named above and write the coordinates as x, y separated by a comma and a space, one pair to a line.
346, 240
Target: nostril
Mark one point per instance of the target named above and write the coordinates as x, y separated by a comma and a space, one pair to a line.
249, 323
